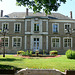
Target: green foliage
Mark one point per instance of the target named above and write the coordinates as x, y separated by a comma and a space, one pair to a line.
30, 53
43, 52
70, 54
19, 52
54, 52
37, 5
27, 53
36, 51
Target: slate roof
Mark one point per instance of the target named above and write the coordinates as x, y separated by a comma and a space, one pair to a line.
31, 14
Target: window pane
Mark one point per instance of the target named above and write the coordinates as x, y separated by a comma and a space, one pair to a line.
65, 40
37, 27
15, 39
18, 44
34, 39
18, 29
18, 39
57, 44
14, 44
6, 39
65, 44
53, 40
34, 27
53, 44
37, 39
57, 40
55, 28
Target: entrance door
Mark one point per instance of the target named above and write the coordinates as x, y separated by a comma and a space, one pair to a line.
36, 44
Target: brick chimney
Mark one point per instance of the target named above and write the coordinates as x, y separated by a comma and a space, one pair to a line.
71, 14
1, 13
26, 11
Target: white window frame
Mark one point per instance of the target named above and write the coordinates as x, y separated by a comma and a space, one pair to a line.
8, 40
5, 24
67, 38
55, 38
17, 24
36, 27
66, 24
40, 41
16, 38
55, 24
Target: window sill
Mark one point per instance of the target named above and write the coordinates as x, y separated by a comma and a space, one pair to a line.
36, 31
17, 31
55, 32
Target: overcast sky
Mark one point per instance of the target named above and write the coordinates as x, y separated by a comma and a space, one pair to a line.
9, 6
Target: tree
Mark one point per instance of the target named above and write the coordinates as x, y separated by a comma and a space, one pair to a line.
37, 5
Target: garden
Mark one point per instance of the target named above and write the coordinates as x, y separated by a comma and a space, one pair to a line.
62, 63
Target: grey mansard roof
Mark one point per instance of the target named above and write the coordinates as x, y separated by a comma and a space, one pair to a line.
31, 14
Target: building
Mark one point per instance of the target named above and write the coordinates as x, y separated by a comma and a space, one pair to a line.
28, 31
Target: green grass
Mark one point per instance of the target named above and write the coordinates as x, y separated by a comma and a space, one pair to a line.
60, 63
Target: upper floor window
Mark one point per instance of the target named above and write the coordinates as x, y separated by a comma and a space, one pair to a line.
55, 28
36, 27
17, 27
67, 42
55, 42
17, 41
67, 27
5, 26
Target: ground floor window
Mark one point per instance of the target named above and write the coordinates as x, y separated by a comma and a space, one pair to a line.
6, 42
67, 42
55, 42
17, 41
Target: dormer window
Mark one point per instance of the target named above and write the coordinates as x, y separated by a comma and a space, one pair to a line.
36, 27
55, 28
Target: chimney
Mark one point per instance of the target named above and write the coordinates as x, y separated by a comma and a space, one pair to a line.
26, 11
71, 14
1, 13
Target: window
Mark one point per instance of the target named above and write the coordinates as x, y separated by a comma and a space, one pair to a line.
6, 42
36, 27
5, 26
67, 42
17, 27
55, 42
67, 27
55, 28
17, 42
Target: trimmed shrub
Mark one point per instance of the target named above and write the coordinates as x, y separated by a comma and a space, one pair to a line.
54, 52
70, 54
20, 52
30, 54
25, 53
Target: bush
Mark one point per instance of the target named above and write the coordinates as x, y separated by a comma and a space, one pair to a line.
25, 53
30, 54
20, 52
70, 54
54, 52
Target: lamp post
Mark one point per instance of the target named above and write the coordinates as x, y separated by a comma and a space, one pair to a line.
4, 32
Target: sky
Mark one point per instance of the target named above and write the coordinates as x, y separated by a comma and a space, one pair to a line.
9, 6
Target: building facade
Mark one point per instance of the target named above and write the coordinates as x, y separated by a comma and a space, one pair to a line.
28, 31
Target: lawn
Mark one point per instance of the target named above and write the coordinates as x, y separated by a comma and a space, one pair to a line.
60, 63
